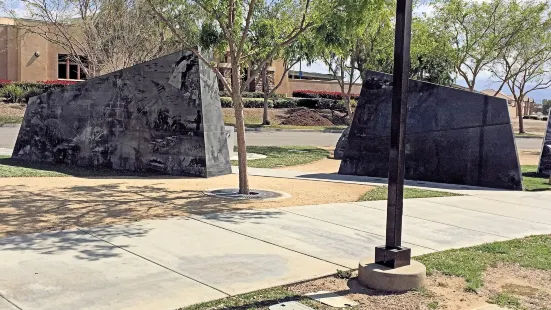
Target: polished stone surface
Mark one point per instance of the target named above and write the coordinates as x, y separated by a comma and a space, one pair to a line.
453, 136
341, 144
163, 115
545, 158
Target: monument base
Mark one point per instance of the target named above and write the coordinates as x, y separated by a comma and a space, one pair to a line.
388, 279
392, 257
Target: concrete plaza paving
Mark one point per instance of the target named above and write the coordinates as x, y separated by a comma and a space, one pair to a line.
171, 263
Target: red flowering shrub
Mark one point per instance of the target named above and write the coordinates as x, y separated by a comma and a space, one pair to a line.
59, 82
4, 82
321, 94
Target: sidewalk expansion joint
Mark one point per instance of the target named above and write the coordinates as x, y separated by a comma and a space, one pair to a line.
154, 262
10, 302
496, 214
356, 229
420, 218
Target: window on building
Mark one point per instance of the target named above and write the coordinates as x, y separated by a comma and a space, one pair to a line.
68, 69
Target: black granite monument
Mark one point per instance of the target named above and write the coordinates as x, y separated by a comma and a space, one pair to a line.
545, 158
453, 136
162, 115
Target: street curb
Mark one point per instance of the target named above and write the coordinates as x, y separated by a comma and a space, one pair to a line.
10, 125
294, 130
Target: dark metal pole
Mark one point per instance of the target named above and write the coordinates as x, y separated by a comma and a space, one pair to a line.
393, 254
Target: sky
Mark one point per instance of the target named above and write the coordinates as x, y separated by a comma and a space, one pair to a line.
484, 81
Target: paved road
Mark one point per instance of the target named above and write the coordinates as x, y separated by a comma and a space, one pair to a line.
8, 136
170, 263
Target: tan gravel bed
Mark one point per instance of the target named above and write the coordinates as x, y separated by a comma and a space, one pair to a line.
531, 287
40, 204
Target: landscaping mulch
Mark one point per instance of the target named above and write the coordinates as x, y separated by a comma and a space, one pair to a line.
305, 117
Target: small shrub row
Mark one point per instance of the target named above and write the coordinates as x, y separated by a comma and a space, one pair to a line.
287, 103
321, 104
251, 95
322, 94
12, 93
284, 103
45, 85
17, 92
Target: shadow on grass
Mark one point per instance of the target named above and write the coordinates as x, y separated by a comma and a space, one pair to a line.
534, 181
22, 168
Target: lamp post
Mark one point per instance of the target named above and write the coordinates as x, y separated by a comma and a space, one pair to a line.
392, 254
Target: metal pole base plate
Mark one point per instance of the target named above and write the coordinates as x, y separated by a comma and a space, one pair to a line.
392, 257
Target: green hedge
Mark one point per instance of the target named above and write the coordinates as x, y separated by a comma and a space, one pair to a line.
255, 94
259, 103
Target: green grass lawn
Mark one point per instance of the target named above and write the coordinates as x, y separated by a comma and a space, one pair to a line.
284, 156
9, 119
293, 127
527, 135
468, 263
277, 157
13, 168
380, 193
533, 181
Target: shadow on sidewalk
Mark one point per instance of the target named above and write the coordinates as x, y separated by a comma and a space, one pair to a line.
28, 209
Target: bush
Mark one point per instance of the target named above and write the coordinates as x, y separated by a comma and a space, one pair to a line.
285, 103
226, 102
31, 92
321, 103
321, 94
12, 93
251, 95
247, 103
4, 83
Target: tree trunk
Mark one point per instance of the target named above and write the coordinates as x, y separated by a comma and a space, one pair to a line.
520, 120
265, 118
348, 109
240, 126
265, 90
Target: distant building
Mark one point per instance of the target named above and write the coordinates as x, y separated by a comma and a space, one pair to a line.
528, 106
29, 57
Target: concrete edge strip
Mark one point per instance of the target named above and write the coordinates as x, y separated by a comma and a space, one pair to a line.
353, 228
10, 302
154, 262
420, 218
479, 211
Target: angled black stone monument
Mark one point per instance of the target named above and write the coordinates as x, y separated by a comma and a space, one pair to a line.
545, 158
453, 136
162, 115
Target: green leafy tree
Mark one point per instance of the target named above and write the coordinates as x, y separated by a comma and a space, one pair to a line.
546, 105
228, 25
525, 64
430, 53
480, 32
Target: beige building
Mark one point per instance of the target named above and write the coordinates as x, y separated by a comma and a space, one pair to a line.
528, 106
29, 57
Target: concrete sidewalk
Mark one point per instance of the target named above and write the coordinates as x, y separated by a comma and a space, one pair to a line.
171, 263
